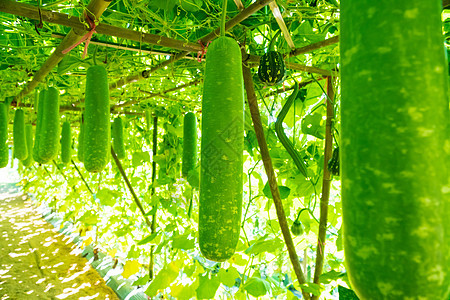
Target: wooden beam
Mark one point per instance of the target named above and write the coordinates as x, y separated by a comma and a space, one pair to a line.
93, 11
32, 12
244, 14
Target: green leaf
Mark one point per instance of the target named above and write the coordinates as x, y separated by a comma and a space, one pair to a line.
311, 288
107, 197
256, 287
284, 191
139, 157
346, 294
183, 242
142, 280
148, 239
166, 5
90, 217
207, 287
191, 5
263, 245
228, 277
163, 280
314, 125
330, 276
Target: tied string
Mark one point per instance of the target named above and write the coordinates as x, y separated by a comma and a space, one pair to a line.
87, 37
202, 52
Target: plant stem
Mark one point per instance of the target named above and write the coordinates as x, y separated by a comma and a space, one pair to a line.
320, 251
224, 18
130, 187
153, 226
82, 178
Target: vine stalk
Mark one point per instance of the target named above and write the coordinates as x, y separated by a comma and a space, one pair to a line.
153, 227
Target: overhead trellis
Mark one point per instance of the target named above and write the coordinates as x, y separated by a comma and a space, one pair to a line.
157, 50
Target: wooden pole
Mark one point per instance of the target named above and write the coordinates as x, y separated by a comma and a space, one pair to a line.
267, 161
326, 185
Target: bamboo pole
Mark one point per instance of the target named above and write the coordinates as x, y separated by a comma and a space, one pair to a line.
279, 18
320, 251
94, 10
265, 156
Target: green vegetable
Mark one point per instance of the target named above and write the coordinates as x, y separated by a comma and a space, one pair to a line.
395, 149
37, 138
148, 119
97, 134
297, 228
189, 143
272, 69
301, 166
222, 147
20, 141
50, 128
29, 138
117, 134
80, 153
4, 151
333, 163
66, 143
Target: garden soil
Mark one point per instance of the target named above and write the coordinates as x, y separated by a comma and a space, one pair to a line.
38, 262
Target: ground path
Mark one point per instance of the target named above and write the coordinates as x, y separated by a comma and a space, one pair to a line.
36, 261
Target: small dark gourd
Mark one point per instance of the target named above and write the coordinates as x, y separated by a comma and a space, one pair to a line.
272, 69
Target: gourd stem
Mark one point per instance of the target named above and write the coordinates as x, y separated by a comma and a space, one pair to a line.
300, 212
224, 17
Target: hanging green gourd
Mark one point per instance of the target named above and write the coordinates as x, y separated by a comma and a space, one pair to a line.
272, 69
37, 136
222, 147
66, 143
4, 151
97, 127
395, 147
117, 135
29, 137
189, 143
19, 135
50, 128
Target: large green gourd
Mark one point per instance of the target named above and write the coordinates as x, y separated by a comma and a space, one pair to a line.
189, 143
66, 143
50, 128
19, 135
4, 151
37, 137
29, 138
395, 149
222, 150
97, 128
117, 134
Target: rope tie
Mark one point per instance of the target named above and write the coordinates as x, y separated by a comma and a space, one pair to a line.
87, 37
202, 52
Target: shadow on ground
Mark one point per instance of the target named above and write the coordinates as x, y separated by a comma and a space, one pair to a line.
36, 261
